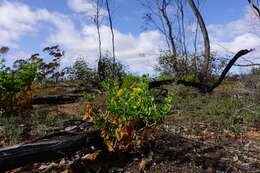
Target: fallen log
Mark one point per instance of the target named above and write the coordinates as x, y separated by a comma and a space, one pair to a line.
56, 99
48, 150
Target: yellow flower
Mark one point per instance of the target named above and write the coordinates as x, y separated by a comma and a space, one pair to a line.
139, 101
137, 90
119, 93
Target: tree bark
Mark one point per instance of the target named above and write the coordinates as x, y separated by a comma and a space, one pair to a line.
112, 31
204, 31
96, 20
47, 150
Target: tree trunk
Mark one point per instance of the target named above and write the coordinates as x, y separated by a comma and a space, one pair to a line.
112, 38
205, 69
170, 35
96, 20
112, 31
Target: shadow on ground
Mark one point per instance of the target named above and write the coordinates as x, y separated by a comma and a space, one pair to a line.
171, 154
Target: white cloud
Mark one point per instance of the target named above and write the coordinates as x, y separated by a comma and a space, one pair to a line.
243, 33
15, 20
129, 48
86, 7
247, 24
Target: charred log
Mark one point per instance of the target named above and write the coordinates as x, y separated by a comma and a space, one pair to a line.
47, 150
56, 99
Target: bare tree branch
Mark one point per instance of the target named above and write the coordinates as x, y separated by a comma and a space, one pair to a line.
246, 65
228, 67
164, 14
254, 7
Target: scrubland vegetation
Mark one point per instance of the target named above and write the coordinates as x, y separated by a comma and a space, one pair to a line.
130, 115
194, 116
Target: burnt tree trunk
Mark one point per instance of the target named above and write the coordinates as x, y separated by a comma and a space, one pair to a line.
47, 150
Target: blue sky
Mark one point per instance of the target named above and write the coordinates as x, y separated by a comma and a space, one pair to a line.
27, 26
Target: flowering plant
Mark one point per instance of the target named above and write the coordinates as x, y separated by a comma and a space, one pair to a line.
131, 111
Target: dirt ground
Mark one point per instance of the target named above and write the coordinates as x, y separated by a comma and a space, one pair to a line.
169, 152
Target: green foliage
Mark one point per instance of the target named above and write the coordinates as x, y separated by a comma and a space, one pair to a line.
91, 78
50, 70
255, 71
108, 69
188, 66
129, 109
89, 97
134, 102
191, 78
46, 84
130, 80
16, 87
81, 72
164, 77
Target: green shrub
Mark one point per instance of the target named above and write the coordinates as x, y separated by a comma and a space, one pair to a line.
131, 113
191, 78
110, 69
89, 97
16, 87
81, 72
255, 71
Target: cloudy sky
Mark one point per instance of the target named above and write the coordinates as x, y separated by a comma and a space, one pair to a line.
27, 26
